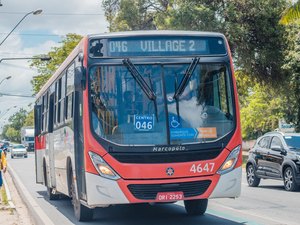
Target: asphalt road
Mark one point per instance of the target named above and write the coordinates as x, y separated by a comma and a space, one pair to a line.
268, 204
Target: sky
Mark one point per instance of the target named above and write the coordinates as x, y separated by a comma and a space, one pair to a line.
36, 35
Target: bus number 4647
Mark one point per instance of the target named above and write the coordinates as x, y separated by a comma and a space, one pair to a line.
199, 168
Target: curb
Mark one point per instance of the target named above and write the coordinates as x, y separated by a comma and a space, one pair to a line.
8, 195
38, 215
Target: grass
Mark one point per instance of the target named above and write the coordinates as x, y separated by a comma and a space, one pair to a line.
3, 196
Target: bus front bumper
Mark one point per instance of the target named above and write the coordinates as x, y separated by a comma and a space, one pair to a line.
102, 192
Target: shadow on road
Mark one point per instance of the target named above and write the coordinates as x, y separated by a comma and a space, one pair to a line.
276, 187
137, 214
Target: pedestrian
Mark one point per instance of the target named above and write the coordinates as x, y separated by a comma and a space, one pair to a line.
2, 165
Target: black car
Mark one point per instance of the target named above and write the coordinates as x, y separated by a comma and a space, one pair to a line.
275, 155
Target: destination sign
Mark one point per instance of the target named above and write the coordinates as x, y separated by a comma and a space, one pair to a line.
162, 46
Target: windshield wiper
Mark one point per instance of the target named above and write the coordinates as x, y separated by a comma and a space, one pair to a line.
142, 83
177, 103
187, 75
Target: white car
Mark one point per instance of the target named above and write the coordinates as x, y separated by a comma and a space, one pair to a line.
18, 150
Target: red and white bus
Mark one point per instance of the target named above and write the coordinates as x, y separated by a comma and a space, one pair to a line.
141, 117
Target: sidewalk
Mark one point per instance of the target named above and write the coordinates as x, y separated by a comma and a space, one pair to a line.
12, 209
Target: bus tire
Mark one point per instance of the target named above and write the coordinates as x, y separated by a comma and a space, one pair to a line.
196, 207
82, 213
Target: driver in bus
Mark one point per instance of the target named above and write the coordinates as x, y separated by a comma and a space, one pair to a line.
97, 126
129, 106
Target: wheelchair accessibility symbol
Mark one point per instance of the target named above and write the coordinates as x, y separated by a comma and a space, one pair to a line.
174, 123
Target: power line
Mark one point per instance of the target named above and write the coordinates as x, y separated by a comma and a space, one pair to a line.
14, 95
18, 66
16, 54
59, 14
48, 35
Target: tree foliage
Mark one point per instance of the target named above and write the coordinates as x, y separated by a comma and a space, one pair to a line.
292, 66
124, 15
263, 111
12, 134
256, 38
12, 130
58, 54
291, 14
29, 121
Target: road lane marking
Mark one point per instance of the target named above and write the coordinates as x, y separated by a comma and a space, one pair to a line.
251, 214
226, 215
233, 218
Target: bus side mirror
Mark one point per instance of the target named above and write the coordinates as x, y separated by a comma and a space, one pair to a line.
80, 78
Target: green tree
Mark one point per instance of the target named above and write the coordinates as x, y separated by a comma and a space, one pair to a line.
13, 135
17, 120
263, 111
124, 15
245, 86
292, 66
58, 54
256, 38
4, 130
291, 14
29, 121
12, 130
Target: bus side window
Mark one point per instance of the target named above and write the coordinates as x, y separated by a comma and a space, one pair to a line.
37, 119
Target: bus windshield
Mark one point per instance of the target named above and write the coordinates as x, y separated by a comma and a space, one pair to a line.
123, 113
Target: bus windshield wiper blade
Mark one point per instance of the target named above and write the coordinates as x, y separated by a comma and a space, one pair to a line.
176, 99
139, 79
154, 101
142, 83
189, 72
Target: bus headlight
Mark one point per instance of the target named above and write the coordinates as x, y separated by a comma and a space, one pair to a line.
230, 162
102, 167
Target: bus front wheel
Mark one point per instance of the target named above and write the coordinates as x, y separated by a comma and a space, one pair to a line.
82, 213
195, 207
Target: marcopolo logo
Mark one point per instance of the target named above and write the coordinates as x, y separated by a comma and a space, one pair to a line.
169, 149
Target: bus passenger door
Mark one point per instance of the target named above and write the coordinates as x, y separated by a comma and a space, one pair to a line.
51, 179
38, 145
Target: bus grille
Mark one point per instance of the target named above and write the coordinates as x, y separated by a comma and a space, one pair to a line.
149, 191
165, 157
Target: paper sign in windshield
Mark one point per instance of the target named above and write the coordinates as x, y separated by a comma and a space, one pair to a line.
207, 132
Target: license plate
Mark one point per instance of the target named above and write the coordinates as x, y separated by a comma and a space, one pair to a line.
169, 196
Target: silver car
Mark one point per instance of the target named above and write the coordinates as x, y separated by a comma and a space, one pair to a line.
18, 150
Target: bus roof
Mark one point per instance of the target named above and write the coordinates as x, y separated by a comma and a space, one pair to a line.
157, 32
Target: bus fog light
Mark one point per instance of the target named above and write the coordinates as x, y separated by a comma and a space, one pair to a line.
102, 167
230, 162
